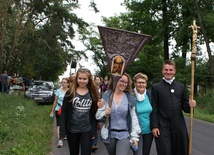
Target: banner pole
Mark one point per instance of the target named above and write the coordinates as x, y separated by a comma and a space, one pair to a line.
110, 105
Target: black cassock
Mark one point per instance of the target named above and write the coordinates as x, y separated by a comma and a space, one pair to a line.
168, 101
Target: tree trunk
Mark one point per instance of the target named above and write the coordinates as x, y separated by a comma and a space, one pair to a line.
3, 35
211, 64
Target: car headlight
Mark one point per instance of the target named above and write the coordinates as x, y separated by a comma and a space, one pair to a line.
27, 93
50, 93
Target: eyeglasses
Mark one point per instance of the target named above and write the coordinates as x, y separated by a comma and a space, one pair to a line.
123, 82
140, 83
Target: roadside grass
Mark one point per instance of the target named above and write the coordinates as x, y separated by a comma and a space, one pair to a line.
202, 114
205, 106
25, 127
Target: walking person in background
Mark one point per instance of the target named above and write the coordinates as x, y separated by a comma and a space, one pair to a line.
123, 124
59, 84
10, 79
104, 85
79, 107
15, 80
167, 119
71, 78
26, 83
97, 82
57, 104
144, 109
4, 82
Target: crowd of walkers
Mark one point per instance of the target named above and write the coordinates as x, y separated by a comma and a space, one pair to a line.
130, 116
7, 81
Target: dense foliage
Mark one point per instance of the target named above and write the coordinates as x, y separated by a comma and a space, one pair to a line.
36, 37
168, 22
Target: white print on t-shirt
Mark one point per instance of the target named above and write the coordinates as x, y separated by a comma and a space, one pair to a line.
82, 104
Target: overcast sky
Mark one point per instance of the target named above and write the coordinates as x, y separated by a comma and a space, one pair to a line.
107, 8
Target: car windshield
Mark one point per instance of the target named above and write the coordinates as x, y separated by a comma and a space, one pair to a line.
41, 86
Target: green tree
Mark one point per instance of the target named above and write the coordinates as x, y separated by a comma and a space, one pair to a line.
36, 35
92, 42
205, 12
175, 17
167, 22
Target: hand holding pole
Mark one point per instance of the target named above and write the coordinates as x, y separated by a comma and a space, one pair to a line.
110, 104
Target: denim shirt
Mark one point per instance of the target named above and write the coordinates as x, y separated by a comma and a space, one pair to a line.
132, 119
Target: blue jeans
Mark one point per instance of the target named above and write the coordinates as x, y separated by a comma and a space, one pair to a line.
4, 88
95, 140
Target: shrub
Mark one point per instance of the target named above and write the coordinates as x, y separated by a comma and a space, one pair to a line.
205, 100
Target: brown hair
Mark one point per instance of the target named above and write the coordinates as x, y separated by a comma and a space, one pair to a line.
67, 79
169, 62
97, 76
129, 85
91, 86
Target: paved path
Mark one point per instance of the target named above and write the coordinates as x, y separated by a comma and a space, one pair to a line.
100, 151
203, 140
65, 150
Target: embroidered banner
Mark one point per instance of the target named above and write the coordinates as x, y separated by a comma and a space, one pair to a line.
121, 48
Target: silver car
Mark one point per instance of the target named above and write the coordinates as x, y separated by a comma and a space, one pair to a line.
41, 91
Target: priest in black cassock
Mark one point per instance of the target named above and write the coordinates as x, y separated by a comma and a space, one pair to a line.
167, 120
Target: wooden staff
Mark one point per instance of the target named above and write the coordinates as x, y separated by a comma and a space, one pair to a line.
110, 104
193, 56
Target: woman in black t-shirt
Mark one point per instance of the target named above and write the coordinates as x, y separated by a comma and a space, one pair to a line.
78, 120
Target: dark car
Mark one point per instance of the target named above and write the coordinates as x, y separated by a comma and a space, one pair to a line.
41, 91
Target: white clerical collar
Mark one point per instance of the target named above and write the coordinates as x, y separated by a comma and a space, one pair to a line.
169, 81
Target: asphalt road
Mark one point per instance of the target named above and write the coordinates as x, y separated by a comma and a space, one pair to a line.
202, 141
203, 137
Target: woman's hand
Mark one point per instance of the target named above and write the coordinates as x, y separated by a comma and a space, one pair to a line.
135, 142
108, 111
51, 114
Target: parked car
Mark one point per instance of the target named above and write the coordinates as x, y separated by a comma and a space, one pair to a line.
41, 91
15, 89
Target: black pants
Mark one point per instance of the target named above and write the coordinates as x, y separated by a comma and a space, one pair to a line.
77, 140
144, 145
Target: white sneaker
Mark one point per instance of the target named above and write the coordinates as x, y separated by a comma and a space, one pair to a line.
60, 144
